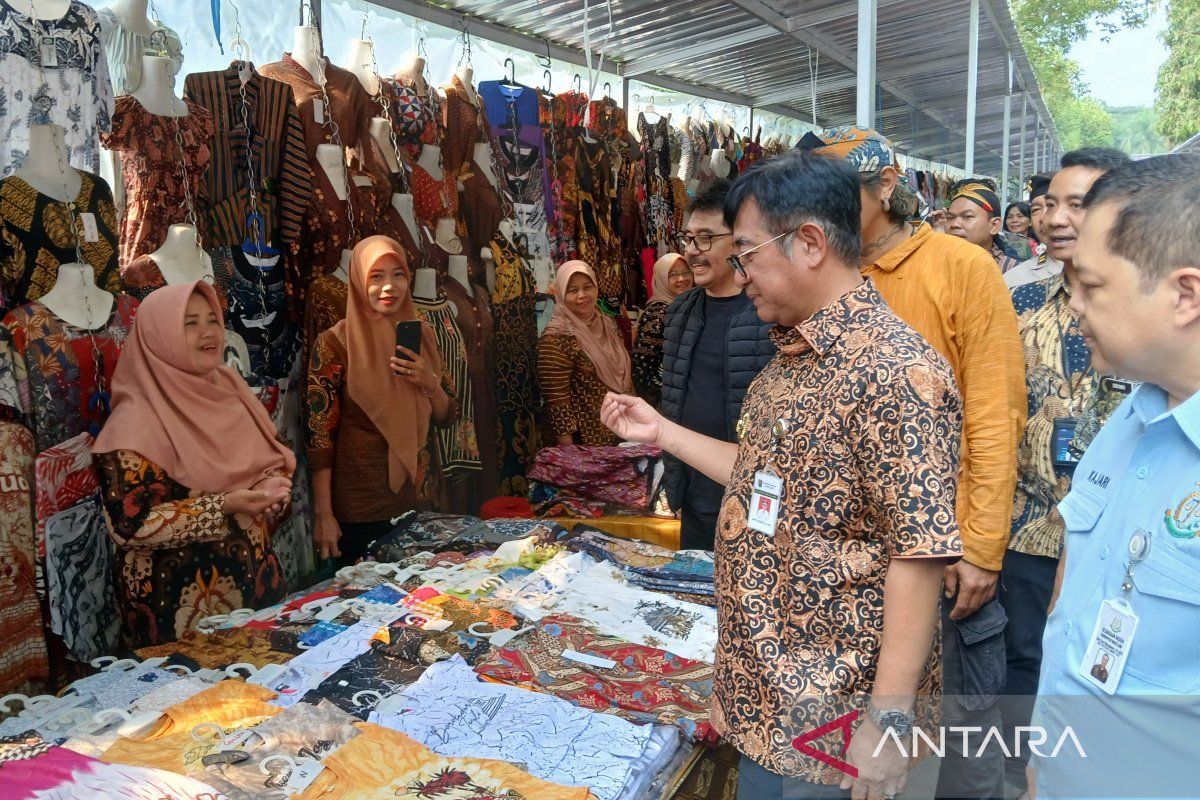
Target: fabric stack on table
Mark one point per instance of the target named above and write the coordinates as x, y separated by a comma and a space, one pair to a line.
497, 659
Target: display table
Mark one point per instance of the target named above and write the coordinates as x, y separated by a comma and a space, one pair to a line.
661, 531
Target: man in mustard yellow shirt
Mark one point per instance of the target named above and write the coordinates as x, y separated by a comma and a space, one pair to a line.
951, 293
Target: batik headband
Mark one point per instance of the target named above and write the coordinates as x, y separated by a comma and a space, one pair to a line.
980, 194
864, 149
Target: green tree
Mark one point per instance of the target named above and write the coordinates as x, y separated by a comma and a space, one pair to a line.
1135, 130
1178, 102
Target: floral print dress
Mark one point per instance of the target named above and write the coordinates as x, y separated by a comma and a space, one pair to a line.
179, 557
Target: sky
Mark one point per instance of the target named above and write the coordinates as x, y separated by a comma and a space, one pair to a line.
1123, 70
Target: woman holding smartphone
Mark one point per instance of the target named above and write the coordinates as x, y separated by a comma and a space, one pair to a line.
371, 405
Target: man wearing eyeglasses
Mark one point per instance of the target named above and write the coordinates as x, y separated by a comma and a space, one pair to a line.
714, 344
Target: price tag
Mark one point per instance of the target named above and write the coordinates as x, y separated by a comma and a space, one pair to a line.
49, 52
302, 776
319, 111
87, 220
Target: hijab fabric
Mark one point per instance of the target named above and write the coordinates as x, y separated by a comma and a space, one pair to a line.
662, 280
400, 411
599, 338
207, 430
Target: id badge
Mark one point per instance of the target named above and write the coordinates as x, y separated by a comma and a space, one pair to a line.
1061, 454
1108, 648
765, 502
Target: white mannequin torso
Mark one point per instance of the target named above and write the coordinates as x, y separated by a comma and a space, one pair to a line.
47, 10
720, 163
467, 75
445, 236
180, 260
76, 299
342, 273
131, 14
413, 66
403, 203
381, 132
458, 272
157, 90
483, 162
431, 161
425, 285
332, 161
361, 61
46, 168
306, 51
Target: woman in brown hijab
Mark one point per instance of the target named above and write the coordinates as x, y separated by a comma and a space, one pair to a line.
370, 407
581, 357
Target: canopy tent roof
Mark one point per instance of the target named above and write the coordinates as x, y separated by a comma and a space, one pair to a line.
760, 53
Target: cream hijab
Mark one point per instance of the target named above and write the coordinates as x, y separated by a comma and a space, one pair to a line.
208, 431
399, 410
599, 337
662, 280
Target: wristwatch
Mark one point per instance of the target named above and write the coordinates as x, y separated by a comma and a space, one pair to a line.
896, 719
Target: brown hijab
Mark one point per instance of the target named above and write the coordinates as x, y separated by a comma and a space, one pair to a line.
662, 278
208, 431
599, 337
399, 410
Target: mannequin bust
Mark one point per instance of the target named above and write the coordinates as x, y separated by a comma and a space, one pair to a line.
413, 66
333, 162
47, 10
180, 259
483, 161
720, 163
381, 132
131, 14
361, 61
458, 273
425, 284
306, 50
157, 91
403, 203
445, 236
431, 161
467, 75
76, 299
342, 273
46, 168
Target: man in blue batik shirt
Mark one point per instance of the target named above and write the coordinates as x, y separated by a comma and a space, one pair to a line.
1130, 573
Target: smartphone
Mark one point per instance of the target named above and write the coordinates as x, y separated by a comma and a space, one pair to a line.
408, 335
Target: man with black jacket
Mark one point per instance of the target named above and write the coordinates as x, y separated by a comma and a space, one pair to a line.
714, 345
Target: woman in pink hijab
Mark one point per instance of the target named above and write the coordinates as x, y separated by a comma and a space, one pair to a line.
672, 277
193, 477
581, 357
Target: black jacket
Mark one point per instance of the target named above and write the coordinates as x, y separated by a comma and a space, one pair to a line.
748, 351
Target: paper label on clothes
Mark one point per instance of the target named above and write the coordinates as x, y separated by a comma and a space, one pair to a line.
91, 233
593, 661
362, 180
765, 503
319, 111
331, 612
49, 52
1108, 648
302, 776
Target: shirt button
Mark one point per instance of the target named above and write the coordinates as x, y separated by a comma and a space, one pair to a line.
1067, 629
1142, 472
1104, 552
1044, 707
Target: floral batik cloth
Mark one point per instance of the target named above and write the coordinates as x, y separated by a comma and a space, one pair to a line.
69, 87
180, 558
62, 374
615, 476
79, 585
23, 662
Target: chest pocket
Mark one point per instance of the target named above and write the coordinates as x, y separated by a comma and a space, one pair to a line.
1166, 598
1081, 510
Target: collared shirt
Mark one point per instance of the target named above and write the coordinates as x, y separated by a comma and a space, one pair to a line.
1139, 475
1060, 380
951, 293
868, 462
1037, 268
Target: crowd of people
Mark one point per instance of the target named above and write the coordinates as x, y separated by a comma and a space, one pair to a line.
875, 424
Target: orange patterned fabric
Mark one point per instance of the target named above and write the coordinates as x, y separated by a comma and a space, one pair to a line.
868, 463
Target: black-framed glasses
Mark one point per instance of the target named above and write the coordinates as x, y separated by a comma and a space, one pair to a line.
703, 242
737, 261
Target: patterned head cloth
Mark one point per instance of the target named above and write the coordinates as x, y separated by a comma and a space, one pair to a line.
979, 193
864, 149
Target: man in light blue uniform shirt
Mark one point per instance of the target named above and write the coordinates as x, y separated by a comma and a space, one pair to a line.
1119, 695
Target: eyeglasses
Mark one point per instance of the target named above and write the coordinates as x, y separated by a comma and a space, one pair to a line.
737, 262
703, 242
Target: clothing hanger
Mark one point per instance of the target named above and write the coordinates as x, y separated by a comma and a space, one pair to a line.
577, 83
511, 78
607, 89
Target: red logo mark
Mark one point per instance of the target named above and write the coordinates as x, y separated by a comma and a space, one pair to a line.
843, 723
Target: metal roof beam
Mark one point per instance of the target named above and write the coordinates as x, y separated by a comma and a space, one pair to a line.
802, 92
638, 66
832, 13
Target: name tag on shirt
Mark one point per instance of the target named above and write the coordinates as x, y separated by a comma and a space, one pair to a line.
765, 503
1108, 648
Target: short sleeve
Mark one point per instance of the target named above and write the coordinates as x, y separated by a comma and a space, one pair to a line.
125, 120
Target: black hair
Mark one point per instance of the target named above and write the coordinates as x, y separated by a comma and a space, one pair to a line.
1019, 205
903, 205
711, 198
800, 187
1102, 158
1156, 227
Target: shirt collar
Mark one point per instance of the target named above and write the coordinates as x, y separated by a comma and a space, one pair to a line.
1149, 403
892, 259
821, 331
